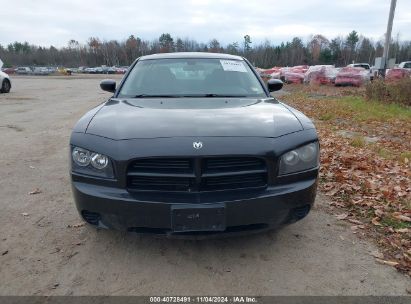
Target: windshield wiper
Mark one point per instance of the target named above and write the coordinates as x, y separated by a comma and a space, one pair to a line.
218, 95
156, 96
185, 95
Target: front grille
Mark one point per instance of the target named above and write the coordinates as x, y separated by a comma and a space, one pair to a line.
162, 165
239, 181
165, 183
233, 164
196, 174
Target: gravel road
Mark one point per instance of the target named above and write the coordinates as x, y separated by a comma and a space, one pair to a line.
43, 252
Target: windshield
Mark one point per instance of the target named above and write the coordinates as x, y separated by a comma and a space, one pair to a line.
364, 66
191, 78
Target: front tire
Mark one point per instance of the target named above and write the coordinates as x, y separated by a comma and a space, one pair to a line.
5, 86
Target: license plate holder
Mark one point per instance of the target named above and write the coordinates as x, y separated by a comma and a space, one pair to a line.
194, 218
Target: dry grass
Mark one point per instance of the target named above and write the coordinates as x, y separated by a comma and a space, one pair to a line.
390, 92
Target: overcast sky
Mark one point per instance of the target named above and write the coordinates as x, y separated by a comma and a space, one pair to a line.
47, 22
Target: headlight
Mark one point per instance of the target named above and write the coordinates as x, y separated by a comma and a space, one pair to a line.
99, 161
91, 163
304, 158
81, 157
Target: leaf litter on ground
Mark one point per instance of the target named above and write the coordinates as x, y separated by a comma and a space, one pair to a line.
369, 183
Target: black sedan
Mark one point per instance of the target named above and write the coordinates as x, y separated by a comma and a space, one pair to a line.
193, 144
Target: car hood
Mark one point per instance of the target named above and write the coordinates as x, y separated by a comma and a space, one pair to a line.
192, 117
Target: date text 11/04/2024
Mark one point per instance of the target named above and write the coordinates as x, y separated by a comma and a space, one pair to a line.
203, 299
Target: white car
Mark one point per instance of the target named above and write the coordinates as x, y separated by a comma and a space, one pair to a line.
24, 71
364, 66
405, 65
5, 83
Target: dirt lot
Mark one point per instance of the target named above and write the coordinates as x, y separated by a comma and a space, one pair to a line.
42, 251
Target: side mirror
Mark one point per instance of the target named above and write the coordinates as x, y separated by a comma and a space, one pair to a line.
108, 85
274, 85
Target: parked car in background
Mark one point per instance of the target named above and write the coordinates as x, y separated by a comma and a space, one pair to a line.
360, 65
121, 70
73, 70
81, 69
41, 71
293, 74
293, 77
23, 71
51, 69
108, 70
352, 76
364, 66
397, 74
320, 74
8, 70
405, 65
273, 72
90, 70
98, 70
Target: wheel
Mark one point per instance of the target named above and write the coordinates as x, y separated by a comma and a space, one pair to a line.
6, 86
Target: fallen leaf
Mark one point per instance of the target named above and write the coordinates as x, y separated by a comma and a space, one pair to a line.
362, 183
76, 225
72, 255
355, 221
35, 191
5, 252
379, 212
55, 251
403, 218
385, 262
55, 285
375, 221
397, 188
342, 216
377, 254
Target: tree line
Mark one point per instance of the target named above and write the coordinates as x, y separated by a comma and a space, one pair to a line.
318, 49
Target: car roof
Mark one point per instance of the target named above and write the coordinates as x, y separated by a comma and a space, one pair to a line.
200, 55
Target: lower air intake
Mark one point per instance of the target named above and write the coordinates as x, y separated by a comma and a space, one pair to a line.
91, 217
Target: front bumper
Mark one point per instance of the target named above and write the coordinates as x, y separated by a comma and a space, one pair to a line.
245, 211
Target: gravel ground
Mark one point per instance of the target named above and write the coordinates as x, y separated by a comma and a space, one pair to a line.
42, 252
